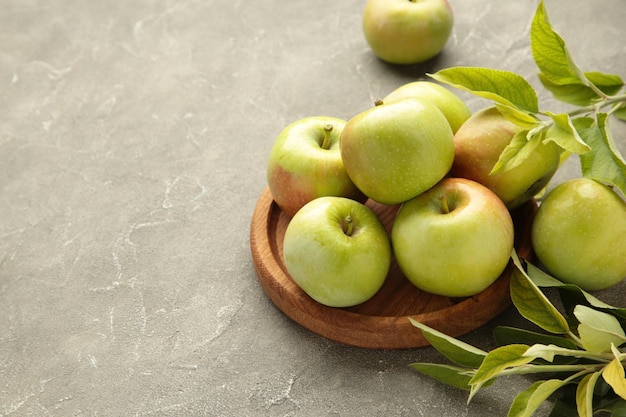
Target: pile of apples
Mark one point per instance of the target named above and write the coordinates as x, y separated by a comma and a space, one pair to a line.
421, 149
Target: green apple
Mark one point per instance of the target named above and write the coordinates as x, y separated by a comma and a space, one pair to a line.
579, 234
453, 240
478, 145
452, 107
392, 152
305, 163
407, 31
337, 250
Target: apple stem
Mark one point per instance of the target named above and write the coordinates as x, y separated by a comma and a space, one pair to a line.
348, 225
327, 129
445, 209
378, 102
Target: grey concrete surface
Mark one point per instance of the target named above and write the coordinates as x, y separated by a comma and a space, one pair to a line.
133, 142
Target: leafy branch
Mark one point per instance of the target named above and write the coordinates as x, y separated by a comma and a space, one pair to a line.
584, 131
583, 344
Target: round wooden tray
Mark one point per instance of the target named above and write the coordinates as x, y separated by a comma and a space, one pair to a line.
381, 322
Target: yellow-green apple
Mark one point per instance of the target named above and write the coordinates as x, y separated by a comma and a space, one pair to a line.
305, 163
392, 152
478, 145
452, 107
407, 31
453, 240
579, 234
337, 250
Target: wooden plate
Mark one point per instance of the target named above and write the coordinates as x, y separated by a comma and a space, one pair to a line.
381, 322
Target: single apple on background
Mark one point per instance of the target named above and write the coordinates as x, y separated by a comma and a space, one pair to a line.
579, 234
452, 107
392, 152
478, 145
305, 163
337, 250
407, 31
453, 240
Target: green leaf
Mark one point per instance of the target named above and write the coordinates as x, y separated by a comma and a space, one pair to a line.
541, 278
548, 352
455, 350
564, 134
609, 84
583, 122
620, 113
517, 116
604, 162
497, 361
613, 374
563, 407
578, 295
595, 340
503, 87
550, 52
616, 407
599, 320
510, 335
533, 304
575, 93
582, 95
515, 152
527, 402
584, 394
451, 375
598, 330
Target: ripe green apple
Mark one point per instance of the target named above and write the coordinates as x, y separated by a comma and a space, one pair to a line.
453, 240
478, 145
337, 250
305, 163
579, 234
392, 152
452, 107
407, 31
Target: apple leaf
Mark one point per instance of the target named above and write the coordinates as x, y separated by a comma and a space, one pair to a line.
604, 162
457, 351
564, 134
526, 402
609, 84
541, 278
503, 87
598, 330
621, 113
615, 407
613, 374
582, 95
577, 295
595, 340
564, 406
497, 361
515, 152
511, 335
584, 394
548, 352
533, 304
517, 116
550, 52
575, 93
451, 375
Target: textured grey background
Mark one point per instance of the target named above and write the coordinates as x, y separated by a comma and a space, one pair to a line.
133, 142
